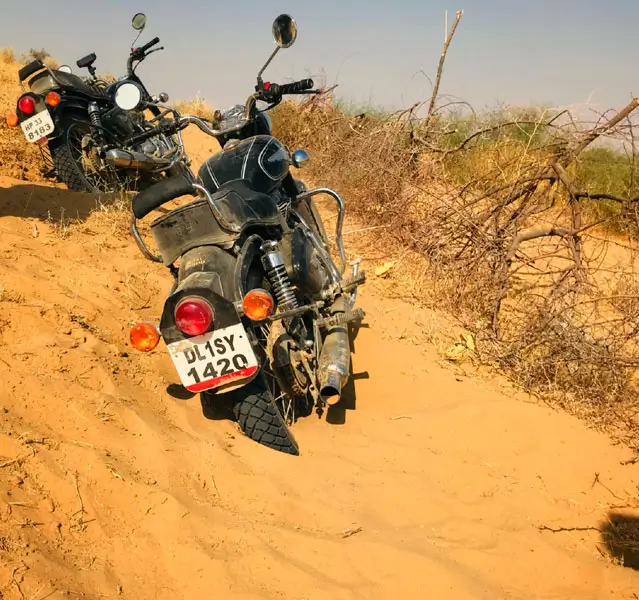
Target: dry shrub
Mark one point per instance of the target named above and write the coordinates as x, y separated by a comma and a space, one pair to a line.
197, 106
506, 249
7, 55
34, 54
620, 536
106, 77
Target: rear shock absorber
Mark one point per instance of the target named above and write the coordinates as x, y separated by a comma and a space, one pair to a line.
280, 281
94, 115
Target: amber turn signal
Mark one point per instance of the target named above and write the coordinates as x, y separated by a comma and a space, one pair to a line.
52, 99
258, 304
12, 120
144, 337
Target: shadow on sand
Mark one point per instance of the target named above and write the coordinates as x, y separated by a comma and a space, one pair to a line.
336, 415
47, 203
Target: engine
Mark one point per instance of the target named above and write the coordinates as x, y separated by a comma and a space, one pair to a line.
155, 147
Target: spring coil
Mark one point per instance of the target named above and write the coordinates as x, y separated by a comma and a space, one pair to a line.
282, 287
94, 115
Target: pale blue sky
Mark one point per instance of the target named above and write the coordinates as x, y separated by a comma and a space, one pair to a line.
561, 52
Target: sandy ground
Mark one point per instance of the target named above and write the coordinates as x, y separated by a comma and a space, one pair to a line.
426, 482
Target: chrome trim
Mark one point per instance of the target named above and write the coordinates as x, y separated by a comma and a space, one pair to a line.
201, 123
355, 264
334, 359
299, 158
214, 208
141, 244
135, 160
340, 219
268, 62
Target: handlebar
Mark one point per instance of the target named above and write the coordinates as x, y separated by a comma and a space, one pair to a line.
139, 53
273, 93
296, 86
143, 49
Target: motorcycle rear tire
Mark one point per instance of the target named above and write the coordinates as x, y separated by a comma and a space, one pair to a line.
259, 418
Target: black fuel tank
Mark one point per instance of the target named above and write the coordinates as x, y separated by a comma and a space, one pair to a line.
262, 160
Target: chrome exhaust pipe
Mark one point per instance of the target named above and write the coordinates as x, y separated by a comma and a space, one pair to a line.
135, 160
334, 359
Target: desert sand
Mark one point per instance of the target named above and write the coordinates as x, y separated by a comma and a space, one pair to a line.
427, 481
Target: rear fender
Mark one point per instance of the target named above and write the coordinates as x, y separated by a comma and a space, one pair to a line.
68, 112
207, 285
209, 272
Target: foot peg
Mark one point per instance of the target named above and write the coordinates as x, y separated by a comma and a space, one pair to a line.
342, 318
348, 285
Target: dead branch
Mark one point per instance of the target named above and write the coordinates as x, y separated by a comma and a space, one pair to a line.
440, 68
18, 460
589, 196
562, 529
592, 135
535, 234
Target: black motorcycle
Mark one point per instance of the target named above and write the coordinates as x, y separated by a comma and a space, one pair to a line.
93, 135
259, 312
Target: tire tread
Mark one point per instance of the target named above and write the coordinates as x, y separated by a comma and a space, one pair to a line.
260, 420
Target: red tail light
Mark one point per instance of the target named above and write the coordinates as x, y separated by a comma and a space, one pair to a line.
193, 316
27, 105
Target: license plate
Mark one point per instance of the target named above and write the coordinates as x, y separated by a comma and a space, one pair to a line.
214, 359
38, 126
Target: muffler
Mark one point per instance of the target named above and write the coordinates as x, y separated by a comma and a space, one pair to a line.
335, 358
135, 160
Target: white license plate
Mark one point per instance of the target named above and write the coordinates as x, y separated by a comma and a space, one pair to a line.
216, 358
38, 126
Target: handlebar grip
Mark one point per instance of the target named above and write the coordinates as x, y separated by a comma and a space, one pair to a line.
160, 193
296, 86
154, 41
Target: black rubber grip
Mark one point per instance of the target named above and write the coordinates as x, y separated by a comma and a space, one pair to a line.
296, 86
160, 193
30, 69
154, 41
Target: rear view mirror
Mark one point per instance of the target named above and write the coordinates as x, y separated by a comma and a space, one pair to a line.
139, 21
284, 31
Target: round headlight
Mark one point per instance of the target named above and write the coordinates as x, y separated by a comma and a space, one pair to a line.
128, 96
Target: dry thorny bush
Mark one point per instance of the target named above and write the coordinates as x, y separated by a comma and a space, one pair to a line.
513, 245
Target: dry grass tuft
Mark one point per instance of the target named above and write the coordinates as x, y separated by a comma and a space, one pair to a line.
7, 55
197, 106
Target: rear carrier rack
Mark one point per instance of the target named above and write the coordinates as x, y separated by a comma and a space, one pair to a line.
213, 220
